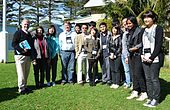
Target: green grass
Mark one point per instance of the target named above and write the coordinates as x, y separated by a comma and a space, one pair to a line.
71, 97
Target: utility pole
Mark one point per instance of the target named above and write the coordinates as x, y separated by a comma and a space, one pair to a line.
3, 38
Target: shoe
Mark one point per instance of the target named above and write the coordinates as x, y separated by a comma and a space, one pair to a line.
28, 90
92, 84
142, 97
127, 86
147, 102
103, 83
131, 88
48, 84
133, 95
71, 83
153, 103
23, 92
81, 84
63, 83
87, 80
109, 83
114, 86
53, 83
96, 80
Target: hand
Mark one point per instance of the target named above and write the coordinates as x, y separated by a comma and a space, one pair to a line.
126, 61
34, 62
111, 56
25, 50
149, 61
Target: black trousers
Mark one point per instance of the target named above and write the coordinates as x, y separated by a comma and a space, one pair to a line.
152, 80
39, 69
92, 66
137, 73
52, 64
115, 66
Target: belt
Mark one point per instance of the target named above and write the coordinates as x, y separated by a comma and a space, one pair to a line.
68, 50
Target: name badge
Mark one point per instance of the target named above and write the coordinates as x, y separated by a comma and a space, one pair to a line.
94, 52
104, 46
68, 40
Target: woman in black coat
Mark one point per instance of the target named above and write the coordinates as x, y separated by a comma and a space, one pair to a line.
134, 46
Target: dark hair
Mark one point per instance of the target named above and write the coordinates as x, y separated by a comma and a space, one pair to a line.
94, 28
103, 23
92, 23
40, 28
118, 29
77, 25
150, 14
133, 20
51, 26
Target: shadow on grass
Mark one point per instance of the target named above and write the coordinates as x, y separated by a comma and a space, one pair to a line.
11, 93
165, 89
8, 93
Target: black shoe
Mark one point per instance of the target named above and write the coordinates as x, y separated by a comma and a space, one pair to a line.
103, 83
109, 83
28, 90
23, 92
92, 84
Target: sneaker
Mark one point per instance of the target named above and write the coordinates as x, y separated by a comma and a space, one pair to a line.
127, 86
147, 102
153, 103
87, 80
96, 80
142, 97
131, 88
48, 84
114, 86
53, 83
133, 95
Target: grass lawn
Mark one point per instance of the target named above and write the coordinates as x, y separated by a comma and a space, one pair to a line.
72, 97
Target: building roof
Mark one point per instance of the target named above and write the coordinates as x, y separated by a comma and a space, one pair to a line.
93, 17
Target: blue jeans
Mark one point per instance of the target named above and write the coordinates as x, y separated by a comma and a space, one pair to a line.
126, 70
105, 70
68, 62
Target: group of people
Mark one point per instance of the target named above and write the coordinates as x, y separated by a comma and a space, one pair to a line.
137, 49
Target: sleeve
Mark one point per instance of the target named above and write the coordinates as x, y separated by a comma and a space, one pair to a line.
16, 41
119, 48
57, 46
76, 44
33, 51
60, 41
158, 42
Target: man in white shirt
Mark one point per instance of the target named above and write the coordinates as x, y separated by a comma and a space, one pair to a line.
67, 52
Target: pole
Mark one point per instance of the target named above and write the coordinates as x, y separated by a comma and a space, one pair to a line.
4, 54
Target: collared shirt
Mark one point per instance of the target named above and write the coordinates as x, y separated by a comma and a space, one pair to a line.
66, 40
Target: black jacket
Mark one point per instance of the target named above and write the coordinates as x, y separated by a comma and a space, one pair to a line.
20, 36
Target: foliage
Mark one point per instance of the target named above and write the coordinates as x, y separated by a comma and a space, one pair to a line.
107, 21
125, 8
